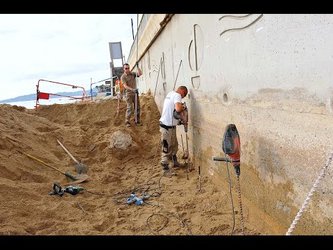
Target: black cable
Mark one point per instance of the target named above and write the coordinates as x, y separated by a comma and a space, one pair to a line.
120, 196
232, 202
161, 227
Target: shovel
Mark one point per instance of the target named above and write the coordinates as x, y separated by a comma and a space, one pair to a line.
77, 179
79, 167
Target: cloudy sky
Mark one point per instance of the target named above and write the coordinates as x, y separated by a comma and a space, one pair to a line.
68, 48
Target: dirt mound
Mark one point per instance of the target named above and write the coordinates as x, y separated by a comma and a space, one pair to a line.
173, 206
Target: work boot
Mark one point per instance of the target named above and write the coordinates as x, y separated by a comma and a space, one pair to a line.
166, 169
167, 172
138, 123
165, 166
176, 164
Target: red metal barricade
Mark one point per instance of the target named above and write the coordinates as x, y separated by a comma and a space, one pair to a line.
46, 96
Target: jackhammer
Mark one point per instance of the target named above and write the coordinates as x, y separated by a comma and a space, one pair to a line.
231, 147
182, 118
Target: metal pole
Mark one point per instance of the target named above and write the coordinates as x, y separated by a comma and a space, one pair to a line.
137, 68
132, 28
111, 77
137, 40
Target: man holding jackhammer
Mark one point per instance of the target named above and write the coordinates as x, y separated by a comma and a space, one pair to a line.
131, 93
171, 113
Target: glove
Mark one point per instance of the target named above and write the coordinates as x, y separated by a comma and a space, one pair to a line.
176, 114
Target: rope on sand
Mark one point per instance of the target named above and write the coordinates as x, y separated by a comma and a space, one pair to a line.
307, 200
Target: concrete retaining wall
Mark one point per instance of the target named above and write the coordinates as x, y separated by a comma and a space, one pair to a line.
269, 74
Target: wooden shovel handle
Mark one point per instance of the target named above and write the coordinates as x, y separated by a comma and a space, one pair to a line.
44, 163
68, 152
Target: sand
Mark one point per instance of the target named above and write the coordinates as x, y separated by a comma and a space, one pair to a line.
176, 205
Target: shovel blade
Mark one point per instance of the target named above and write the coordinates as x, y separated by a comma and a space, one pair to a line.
79, 179
81, 168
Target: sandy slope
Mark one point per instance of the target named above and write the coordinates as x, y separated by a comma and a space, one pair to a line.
174, 207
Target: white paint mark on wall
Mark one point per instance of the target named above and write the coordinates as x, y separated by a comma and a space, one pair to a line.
259, 29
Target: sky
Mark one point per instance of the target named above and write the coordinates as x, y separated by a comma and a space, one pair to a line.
67, 48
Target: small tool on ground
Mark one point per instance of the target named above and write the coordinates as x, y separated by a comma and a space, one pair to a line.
77, 179
58, 190
79, 167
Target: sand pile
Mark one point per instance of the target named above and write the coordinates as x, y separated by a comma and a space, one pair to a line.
91, 132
